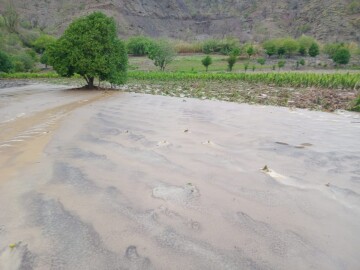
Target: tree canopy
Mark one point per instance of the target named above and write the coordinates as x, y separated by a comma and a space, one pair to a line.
162, 53
207, 61
90, 47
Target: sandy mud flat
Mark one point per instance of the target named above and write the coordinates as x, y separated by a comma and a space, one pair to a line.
112, 180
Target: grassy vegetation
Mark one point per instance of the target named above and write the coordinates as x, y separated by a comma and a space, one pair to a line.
27, 75
331, 81
356, 106
291, 79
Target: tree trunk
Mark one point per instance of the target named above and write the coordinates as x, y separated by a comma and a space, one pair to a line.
89, 81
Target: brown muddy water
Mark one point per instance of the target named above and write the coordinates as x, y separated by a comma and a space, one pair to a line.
112, 180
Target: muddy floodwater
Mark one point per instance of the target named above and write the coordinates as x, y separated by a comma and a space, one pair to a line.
113, 180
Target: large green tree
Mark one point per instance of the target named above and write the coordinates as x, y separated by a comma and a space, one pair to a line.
90, 47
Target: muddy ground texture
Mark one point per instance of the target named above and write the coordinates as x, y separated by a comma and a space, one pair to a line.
241, 92
114, 180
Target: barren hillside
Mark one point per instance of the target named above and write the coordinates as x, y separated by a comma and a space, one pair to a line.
327, 20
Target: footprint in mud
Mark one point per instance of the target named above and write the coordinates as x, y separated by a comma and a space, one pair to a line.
135, 261
185, 195
179, 219
16, 256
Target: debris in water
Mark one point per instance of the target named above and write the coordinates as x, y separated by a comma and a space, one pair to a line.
265, 169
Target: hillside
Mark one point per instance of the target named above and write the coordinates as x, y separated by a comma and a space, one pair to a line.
327, 20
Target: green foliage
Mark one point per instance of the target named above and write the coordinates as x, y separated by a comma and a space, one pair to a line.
281, 51
139, 45
231, 62
253, 68
270, 47
302, 50
90, 48
261, 61
302, 62
354, 7
211, 46
162, 53
314, 50
229, 46
42, 43
332, 81
5, 63
27, 75
207, 61
356, 106
24, 62
281, 63
342, 56
306, 41
291, 46
331, 48
246, 66
250, 51
224, 46
235, 51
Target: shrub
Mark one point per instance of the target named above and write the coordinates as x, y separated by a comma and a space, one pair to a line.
229, 46
5, 63
207, 61
42, 42
302, 62
342, 56
250, 51
24, 62
314, 50
90, 47
270, 47
281, 51
290, 46
139, 45
162, 53
302, 50
231, 62
246, 66
356, 106
211, 46
331, 48
281, 63
225, 46
261, 61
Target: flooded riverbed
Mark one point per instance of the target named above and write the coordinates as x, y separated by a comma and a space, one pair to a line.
112, 180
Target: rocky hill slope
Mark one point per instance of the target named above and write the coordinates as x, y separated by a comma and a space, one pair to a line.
327, 20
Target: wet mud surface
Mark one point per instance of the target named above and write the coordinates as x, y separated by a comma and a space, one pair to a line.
94, 180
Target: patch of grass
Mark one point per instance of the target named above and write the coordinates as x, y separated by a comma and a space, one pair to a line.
330, 81
356, 106
25, 75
